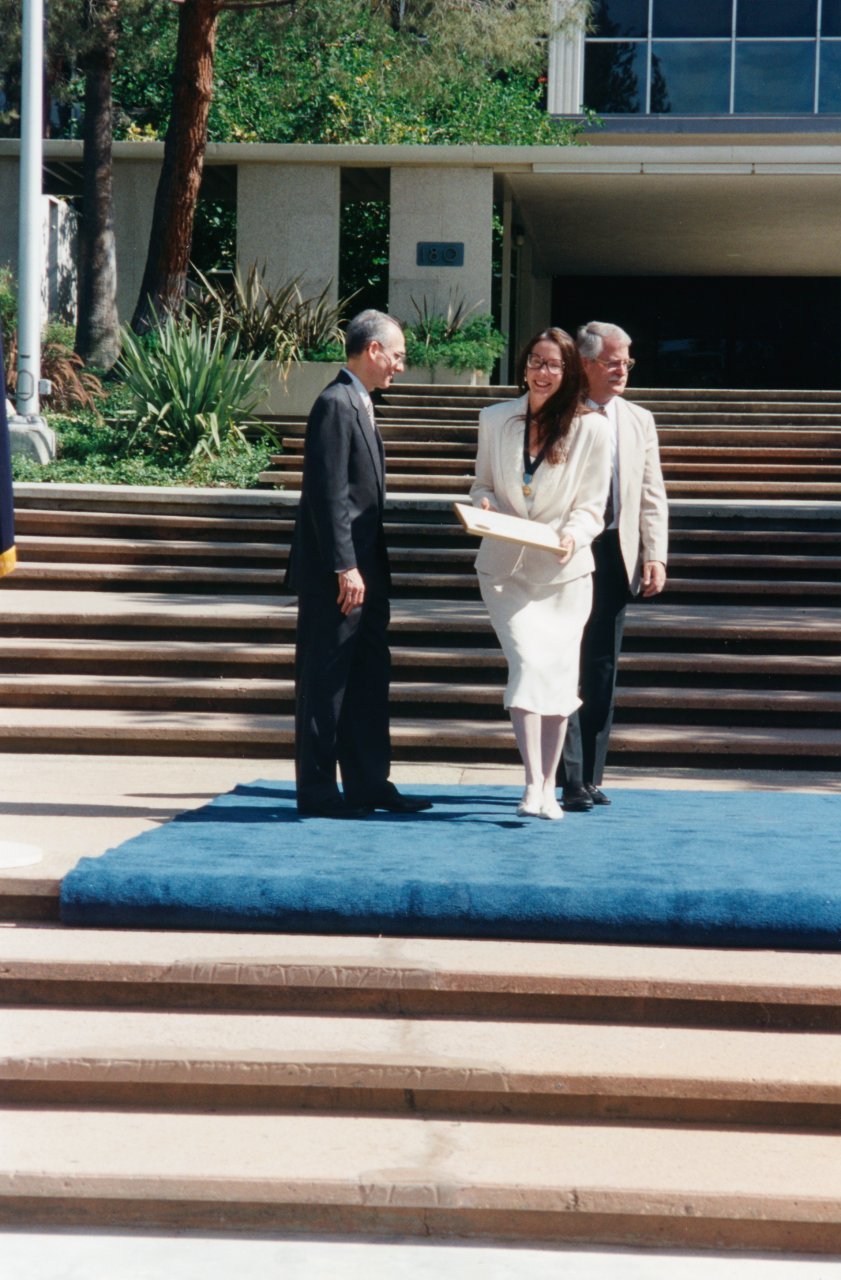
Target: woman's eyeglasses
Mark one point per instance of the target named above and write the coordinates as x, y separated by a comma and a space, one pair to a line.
551, 366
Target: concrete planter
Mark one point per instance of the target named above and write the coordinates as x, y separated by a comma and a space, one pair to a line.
293, 396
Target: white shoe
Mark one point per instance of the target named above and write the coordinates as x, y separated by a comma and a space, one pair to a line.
530, 806
551, 809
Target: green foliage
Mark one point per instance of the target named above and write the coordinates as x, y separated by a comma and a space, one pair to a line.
94, 449
455, 339
363, 253
189, 391
8, 305
279, 324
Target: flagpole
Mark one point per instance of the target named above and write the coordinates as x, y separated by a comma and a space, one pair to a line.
30, 268
14, 853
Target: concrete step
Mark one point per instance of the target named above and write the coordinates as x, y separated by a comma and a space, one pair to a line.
236, 618
260, 735
350, 1175
85, 575
151, 525
48, 966
145, 551
95, 1058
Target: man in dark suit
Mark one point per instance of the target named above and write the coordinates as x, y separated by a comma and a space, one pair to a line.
339, 569
630, 556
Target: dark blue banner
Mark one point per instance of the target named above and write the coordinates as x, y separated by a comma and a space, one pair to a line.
7, 522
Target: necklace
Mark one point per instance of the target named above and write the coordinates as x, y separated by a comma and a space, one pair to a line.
530, 465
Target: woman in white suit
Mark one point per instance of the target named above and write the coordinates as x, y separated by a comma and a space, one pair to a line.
542, 457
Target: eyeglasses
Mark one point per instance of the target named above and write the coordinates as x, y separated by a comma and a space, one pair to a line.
551, 366
616, 364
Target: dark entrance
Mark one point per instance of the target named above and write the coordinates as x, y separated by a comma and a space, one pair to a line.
763, 333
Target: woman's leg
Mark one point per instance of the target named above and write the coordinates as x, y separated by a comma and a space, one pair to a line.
552, 734
529, 742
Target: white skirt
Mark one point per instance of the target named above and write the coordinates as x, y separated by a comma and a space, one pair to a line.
540, 629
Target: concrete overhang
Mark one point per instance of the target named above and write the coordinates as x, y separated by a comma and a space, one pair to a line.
771, 206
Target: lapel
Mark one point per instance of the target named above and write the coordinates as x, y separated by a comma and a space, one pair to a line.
627, 446
511, 457
373, 441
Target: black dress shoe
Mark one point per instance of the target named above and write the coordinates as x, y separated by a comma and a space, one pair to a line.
335, 809
395, 803
597, 795
577, 800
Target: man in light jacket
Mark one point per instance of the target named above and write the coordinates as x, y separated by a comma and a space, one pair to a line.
630, 556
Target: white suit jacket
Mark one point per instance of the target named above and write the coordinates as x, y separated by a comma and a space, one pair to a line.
644, 508
570, 497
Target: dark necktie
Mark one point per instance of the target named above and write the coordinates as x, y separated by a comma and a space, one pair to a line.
609, 513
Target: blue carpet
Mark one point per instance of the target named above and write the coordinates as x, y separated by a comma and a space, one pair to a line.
676, 867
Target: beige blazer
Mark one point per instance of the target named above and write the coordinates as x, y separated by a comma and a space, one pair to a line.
644, 508
570, 497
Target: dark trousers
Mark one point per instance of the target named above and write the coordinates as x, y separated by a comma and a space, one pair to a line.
342, 671
588, 731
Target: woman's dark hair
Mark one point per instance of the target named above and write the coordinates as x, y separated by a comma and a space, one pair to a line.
554, 420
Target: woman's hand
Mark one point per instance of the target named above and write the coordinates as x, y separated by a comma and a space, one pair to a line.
566, 546
487, 506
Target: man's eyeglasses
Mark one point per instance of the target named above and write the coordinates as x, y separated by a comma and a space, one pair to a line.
551, 366
616, 364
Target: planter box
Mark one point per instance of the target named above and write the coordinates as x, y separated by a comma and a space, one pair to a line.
293, 396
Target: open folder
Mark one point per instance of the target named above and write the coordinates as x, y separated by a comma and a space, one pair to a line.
493, 524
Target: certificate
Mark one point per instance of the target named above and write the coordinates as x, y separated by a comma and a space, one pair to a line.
494, 524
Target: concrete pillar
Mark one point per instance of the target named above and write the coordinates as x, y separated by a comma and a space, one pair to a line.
288, 219
534, 298
135, 183
438, 204
565, 87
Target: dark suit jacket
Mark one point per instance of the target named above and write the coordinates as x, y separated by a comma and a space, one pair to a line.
339, 524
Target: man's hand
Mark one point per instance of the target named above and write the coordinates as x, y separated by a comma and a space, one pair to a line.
653, 577
566, 546
351, 590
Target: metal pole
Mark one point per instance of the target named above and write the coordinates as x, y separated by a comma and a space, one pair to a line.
30, 265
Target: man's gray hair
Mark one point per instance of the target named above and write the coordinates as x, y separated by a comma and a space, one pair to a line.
590, 338
369, 326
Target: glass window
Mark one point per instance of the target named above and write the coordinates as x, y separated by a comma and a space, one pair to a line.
690, 79
676, 18
830, 90
620, 18
831, 18
777, 18
774, 79
614, 78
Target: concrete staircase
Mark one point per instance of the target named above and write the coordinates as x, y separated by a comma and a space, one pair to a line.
354, 1086
152, 621
714, 444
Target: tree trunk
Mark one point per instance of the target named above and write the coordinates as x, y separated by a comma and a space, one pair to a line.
165, 274
97, 324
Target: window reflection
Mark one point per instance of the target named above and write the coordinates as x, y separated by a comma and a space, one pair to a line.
831, 18
677, 18
830, 92
690, 79
620, 18
774, 79
614, 78
777, 18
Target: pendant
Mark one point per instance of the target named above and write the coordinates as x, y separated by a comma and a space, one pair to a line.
527, 484
527, 490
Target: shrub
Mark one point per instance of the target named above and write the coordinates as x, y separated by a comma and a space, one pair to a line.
188, 391
279, 323
453, 339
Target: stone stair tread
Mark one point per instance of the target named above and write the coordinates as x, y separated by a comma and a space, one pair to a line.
822, 701
152, 608
102, 547
463, 1055
301, 1170
133, 651
58, 955
61, 570
733, 560
33, 521
60, 726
